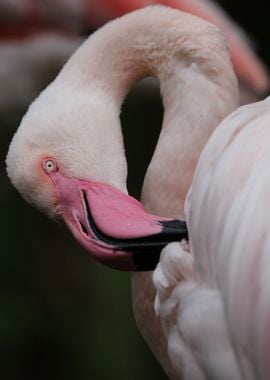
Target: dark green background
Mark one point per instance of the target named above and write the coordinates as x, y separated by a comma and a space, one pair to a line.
62, 315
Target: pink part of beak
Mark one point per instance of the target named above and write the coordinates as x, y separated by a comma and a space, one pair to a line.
112, 225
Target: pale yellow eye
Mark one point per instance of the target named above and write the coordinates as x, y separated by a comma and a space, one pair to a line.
50, 165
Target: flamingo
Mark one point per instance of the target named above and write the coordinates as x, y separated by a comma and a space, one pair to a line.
67, 157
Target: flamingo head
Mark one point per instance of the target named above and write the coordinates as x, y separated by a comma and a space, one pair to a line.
67, 159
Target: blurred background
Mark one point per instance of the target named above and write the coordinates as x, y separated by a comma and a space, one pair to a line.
62, 315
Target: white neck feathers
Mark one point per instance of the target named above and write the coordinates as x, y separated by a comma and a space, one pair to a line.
190, 58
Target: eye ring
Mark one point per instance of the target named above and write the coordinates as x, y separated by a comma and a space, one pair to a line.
50, 165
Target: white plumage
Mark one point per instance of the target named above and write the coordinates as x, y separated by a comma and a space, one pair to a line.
206, 326
215, 310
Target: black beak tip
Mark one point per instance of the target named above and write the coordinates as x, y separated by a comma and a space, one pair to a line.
146, 256
175, 228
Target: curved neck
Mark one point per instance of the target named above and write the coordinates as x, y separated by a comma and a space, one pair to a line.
156, 41
190, 58
198, 86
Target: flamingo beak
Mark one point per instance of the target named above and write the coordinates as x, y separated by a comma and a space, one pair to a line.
112, 226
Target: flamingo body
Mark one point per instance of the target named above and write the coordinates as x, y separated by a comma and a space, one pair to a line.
212, 298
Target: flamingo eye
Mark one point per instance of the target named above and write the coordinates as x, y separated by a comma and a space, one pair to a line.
50, 166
